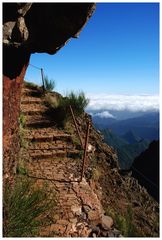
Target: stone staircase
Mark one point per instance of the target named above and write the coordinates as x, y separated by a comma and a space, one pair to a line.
55, 160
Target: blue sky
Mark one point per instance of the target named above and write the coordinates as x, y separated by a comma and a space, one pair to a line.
117, 52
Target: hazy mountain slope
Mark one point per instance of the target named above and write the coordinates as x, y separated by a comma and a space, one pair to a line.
112, 139
131, 137
102, 123
145, 126
126, 152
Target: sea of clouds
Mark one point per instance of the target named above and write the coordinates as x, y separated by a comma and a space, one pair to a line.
103, 103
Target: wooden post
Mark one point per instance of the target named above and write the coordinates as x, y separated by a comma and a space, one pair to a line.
76, 126
85, 150
42, 79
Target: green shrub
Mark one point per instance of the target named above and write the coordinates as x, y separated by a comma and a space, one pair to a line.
124, 223
59, 109
78, 102
75, 140
49, 84
24, 209
96, 173
30, 84
21, 170
51, 101
22, 120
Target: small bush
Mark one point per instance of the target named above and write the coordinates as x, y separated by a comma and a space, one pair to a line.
124, 222
49, 84
22, 120
51, 101
30, 84
24, 209
21, 170
75, 140
78, 102
59, 109
96, 174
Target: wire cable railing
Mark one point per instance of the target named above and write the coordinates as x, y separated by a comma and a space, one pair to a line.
41, 72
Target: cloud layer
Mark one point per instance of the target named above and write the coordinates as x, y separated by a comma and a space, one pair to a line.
134, 103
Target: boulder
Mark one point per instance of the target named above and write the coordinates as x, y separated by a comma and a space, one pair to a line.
106, 222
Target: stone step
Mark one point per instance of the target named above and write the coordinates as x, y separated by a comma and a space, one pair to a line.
29, 89
63, 169
46, 134
32, 92
33, 109
38, 121
39, 124
33, 113
48, 137
44, 131
30, 85
43, 154
30, 100
50, 146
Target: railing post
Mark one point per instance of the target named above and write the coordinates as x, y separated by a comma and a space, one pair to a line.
85, 150
42, 79
78, 132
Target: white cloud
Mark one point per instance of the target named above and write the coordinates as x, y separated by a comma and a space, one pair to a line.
134, 103
104, 114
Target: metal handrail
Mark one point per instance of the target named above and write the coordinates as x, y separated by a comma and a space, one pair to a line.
77, 129
85, 150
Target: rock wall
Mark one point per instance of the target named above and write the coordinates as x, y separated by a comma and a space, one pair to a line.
30, 28
15, 63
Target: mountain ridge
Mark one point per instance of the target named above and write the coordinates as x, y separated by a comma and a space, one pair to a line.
145, 126
126, 150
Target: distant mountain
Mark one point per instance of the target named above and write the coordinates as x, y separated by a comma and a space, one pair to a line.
126, 151
146, 169
102, 123
146, 126
129, 152
131, 137
112, 139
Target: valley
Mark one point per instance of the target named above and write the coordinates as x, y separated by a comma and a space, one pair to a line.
130, 137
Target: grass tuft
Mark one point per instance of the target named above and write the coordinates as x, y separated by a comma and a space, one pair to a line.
59, 107
77, 101
124, 223
49, 84
24, 209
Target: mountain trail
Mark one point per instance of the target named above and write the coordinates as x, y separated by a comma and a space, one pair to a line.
54, 160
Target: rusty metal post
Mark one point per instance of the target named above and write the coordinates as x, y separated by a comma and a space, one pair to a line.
76, 126
85, 150
42, 79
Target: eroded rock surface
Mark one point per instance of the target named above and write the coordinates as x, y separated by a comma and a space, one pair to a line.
43, 27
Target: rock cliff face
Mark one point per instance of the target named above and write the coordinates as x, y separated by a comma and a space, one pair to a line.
30, 28
146, 169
